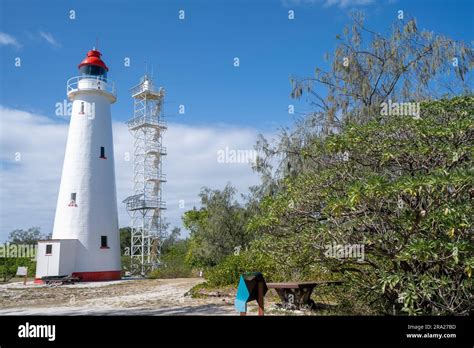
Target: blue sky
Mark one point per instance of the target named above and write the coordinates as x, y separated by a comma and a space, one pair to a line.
191, 58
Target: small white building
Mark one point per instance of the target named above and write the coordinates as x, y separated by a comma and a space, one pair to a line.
85, 241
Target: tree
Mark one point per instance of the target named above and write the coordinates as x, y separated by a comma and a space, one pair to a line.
409, 64
30, 236
217, 228
170, 240
173, 261
404, 192
9, 265
125, 239
349, 174
367, 69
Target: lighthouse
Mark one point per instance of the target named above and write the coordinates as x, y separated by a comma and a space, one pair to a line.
85, 241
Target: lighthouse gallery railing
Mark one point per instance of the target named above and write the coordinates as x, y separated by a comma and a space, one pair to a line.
90, 82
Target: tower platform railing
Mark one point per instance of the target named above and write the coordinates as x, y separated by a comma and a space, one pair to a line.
146, 121
146, 88
156, 177
154, 148
140, 204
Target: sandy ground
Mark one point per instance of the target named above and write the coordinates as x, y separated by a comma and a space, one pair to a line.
124, 297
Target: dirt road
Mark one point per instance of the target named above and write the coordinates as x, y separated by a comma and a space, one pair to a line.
125, 297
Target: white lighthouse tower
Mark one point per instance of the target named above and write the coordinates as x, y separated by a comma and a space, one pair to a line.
85, 241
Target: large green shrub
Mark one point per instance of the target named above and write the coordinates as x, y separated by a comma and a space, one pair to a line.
254, 259
172, 263
400, 186
216, 228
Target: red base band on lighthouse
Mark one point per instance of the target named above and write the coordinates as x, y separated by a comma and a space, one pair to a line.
98, 276
92, 276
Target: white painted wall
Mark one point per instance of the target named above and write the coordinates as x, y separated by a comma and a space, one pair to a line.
47, 265
67, 256
93, 181
61, 261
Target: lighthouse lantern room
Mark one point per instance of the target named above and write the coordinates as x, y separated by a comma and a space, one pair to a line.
85, 241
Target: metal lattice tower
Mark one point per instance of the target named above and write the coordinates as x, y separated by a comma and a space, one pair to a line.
146, 206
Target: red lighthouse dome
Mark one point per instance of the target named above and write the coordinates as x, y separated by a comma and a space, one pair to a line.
93, 64
93, 58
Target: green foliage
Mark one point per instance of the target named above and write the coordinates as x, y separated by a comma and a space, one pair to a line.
348, 173
229, 270
9, 267
404, 192
125, 248
126, 262
173, 263
170, 240
369, 67
217, 228
125, 239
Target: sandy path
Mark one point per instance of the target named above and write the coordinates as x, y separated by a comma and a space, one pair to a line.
126, 297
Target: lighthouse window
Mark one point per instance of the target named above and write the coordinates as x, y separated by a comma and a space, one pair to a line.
102, 152
93, 70
103, 242
49, 249
72, 200
82, 108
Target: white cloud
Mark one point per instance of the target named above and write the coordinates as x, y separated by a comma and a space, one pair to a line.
49, 38
29, 187
347, 3
327, 3
6, 40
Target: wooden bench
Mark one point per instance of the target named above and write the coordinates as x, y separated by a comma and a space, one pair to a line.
297, 295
